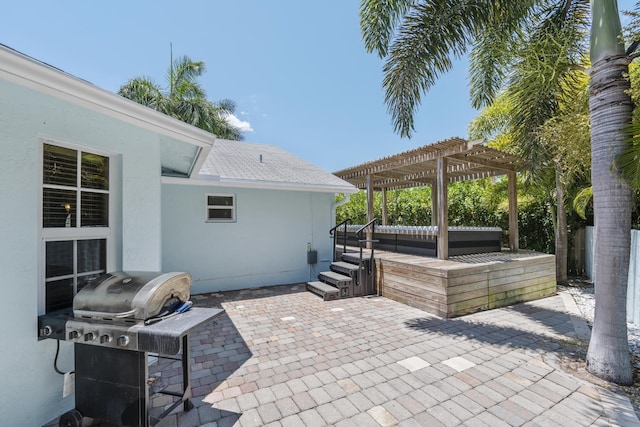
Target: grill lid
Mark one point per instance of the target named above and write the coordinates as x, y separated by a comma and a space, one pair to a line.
135, 295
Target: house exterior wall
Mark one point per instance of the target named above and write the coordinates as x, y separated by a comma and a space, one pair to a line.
266, 245
633, 281
588, 252
32, 390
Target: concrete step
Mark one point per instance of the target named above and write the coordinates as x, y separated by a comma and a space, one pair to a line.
327, 292
354, 257
343, 267
335, 279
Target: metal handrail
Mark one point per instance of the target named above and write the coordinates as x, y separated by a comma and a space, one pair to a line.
344, 236
362, 241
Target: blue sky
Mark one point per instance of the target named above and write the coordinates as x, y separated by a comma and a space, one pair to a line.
297, 70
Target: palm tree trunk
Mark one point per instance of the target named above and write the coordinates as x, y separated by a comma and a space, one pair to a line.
561, 232
610, 110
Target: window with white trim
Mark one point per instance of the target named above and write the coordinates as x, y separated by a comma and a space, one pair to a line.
75, 221
221, 208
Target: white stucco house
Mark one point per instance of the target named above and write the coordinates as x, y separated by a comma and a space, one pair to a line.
248, 218
92, 182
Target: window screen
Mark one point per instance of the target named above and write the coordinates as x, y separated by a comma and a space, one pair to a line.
75, 188
221, 208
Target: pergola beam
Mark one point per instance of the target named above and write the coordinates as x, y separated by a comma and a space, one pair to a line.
494, 164
437, 165
408, 158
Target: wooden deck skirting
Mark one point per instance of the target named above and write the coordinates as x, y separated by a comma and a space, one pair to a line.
465, 284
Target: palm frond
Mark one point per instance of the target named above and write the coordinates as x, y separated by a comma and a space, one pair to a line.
143, 91
227, 105
492, 120
494, 49
582, 200
629, 161
378, 21
188, 90
185, 99
226, 130
192, 112
427, 39
545, 77
567, 137
632, 29
420, 53
489, 60
182, 77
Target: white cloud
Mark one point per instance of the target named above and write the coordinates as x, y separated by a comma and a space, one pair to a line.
242, 125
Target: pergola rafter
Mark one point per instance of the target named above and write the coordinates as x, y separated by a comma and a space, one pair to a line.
436, 165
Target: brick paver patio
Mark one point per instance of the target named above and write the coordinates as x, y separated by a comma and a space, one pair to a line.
281, 356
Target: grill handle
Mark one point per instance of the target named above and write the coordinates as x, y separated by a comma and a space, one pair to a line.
103, 314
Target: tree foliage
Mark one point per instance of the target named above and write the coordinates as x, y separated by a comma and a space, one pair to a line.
184, 98
539, 48
481, 203
420, 39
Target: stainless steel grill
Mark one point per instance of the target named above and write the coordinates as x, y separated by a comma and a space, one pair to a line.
111, 311
131, 295
114, 322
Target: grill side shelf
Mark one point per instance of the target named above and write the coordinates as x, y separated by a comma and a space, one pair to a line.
165, 336
54, 325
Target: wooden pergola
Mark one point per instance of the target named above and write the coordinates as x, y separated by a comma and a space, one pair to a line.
436, 165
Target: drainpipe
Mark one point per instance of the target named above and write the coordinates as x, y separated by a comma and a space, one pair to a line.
336, 205
342, 202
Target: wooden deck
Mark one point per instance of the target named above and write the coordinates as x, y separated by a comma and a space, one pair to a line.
467, 283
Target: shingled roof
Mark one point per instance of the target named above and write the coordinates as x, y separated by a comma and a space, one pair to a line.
236, 163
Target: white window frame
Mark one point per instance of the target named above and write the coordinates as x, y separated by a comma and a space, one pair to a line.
76, 233
232, 208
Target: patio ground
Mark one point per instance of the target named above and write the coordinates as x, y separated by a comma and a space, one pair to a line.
280, 356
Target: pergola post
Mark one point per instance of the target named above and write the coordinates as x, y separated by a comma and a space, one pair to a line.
370, 213
384, 206
434, 204
443, 209
514, 244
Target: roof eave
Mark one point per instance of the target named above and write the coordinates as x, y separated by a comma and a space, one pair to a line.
25, 71
214, 181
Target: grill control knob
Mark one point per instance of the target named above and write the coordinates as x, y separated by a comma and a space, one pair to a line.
123, 341
106, 338
90, 336
73, 335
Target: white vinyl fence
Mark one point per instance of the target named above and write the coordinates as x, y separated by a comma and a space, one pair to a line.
633, 286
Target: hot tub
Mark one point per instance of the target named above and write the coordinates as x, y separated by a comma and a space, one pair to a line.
423, 240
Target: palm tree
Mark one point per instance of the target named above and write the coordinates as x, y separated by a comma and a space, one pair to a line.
419, 39
184, 98
610, 109
564, 147
546, 80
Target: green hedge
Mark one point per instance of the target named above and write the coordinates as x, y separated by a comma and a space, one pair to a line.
481, 203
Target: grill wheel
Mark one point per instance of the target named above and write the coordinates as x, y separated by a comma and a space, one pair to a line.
72, 418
